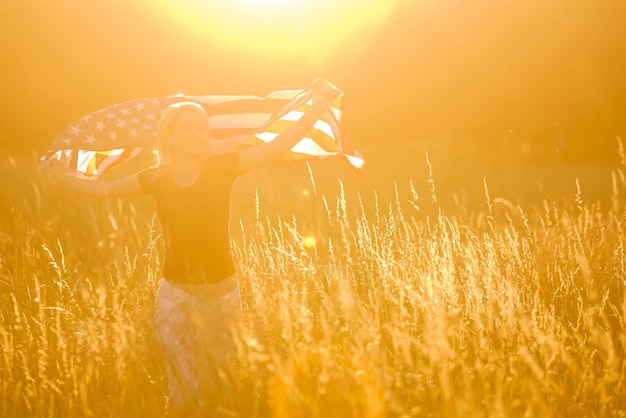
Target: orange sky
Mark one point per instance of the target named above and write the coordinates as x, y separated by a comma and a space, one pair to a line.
425, 68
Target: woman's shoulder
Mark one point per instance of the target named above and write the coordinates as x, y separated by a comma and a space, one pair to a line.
223, 159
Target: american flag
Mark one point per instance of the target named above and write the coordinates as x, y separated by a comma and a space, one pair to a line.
121, 140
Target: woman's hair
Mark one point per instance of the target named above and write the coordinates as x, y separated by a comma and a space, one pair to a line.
169, 115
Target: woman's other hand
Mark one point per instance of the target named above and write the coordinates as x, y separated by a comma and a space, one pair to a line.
323, 90
55, 169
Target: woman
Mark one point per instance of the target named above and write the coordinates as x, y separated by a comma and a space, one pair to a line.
198, 301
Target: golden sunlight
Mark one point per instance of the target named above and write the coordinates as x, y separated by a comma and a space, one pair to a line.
272, 2
293, 29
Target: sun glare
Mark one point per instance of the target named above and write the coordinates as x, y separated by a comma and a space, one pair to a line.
306, 29
272, 2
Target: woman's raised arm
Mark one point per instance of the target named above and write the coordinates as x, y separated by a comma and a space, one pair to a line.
124, 187
254, 157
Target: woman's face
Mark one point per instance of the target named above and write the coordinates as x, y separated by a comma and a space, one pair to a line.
190, 135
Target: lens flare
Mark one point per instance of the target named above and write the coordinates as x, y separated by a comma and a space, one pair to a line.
309, 242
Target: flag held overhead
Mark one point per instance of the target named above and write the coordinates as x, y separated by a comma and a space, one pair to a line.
121, 140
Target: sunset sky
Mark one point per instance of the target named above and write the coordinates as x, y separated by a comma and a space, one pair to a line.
478, 70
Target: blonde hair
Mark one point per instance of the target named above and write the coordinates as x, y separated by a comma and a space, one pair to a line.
169, 116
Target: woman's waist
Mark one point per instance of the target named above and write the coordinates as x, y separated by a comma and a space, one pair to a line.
207, 288
185, 268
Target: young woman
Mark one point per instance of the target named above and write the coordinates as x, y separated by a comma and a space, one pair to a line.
198, 302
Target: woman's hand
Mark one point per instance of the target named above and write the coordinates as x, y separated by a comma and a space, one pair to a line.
324, 91
55, 169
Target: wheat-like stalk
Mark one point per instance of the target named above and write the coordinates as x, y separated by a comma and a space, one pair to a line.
391, 311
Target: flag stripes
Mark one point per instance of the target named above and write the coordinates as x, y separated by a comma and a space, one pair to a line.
119, 135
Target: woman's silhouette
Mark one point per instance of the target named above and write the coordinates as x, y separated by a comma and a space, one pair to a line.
198, 302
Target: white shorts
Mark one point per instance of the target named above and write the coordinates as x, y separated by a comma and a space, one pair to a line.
195, 325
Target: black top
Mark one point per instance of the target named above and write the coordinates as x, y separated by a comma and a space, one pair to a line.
195, 220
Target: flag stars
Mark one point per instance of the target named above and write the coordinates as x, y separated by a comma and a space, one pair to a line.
155, 101
133, 133
140, 106
100, 125
150, 116
121, 123
125, 111
110, 115
90, 139
66, 141
75, 130
135, 120
113, 135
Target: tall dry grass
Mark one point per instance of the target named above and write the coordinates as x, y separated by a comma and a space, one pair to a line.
396, 311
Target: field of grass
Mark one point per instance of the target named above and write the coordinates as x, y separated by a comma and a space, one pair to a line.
399, 309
